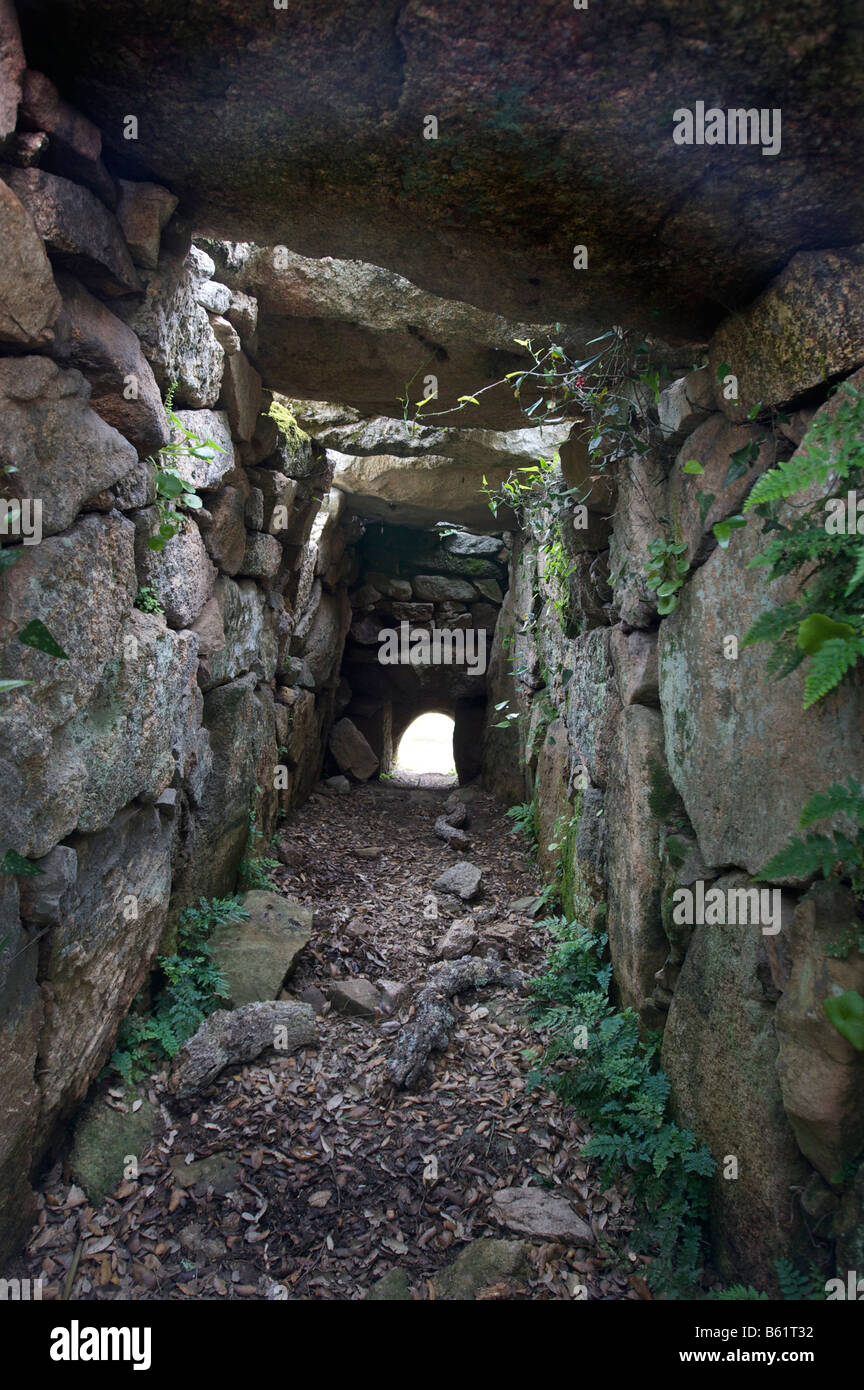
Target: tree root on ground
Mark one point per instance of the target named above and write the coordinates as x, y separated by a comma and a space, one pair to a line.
229, 1037
430, 1028
451, 834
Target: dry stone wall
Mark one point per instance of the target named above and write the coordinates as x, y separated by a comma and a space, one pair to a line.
661, 762
132, 765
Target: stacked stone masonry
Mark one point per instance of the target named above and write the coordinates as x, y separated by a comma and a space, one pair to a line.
131, 768
661, 762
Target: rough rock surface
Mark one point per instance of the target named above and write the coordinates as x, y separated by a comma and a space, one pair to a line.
224, 531
636, 941
500, 234
716, 712
458, 940
239, 718
357, 997
102, 950
123, 389
463, 879
181, 573
124, 740
262, 557
78, 230
104, 1139
418, 491
731, 1097
50, 583
20, 1029
480, 1264
206, 425
74, 143
804, 329
12, 66
351, 751
176, 336
241, 391
143, 209
249, 633
821, 1073
29, 300
63, 452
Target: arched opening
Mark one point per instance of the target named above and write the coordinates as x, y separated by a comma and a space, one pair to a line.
425, 753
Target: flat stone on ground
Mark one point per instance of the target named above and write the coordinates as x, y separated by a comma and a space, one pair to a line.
218, 1171
392, 1287
485, 1261
255, 955
534, 1212
104, 1138
357, 997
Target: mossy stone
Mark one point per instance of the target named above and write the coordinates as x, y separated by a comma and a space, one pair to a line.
105, 1139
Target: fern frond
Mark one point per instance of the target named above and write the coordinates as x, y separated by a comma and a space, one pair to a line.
801, 858
789, 477
772, 624
835, 444
857, 573
829, 665
845, 800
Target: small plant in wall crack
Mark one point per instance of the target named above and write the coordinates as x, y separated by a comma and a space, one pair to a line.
666, 572
834, 855
147, 600
508, 716
172, 489
609, 391
256, 868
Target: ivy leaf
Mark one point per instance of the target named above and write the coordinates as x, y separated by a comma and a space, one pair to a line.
36, 635
740, 461
10, 557
706, 501
723, 530
170, 484
846, 1012
693, 466
14, 863
723, 370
